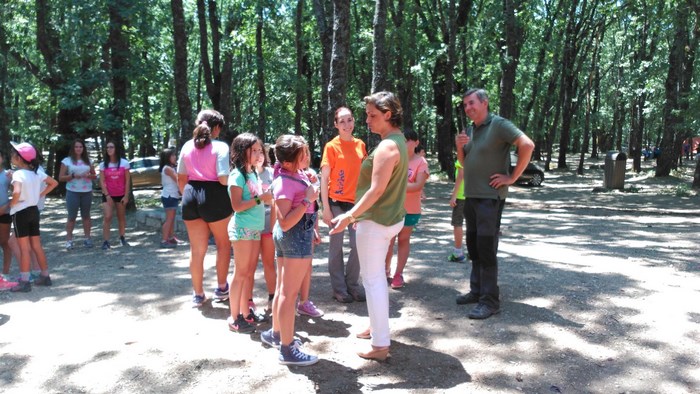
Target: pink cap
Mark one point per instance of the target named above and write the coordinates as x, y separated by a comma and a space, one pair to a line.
26, 151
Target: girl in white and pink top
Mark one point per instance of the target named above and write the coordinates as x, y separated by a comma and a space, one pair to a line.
78, 173
202, 176
114, 181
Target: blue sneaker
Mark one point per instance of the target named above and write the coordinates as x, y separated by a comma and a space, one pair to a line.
292, 355
272, 339
269, 338
198, 300
221, 295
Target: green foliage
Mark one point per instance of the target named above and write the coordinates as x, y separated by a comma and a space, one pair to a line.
81, 69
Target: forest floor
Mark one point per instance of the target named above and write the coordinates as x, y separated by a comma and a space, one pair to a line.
599, 294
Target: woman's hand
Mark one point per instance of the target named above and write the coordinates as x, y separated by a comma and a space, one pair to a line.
327, 217
312, 193
340, 222
266, 197
317, 237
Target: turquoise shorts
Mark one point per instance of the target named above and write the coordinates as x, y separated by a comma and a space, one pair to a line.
243, 234
411, 219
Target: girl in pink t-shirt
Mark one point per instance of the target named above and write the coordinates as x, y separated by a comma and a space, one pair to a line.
114, 181
417, 176
294, 234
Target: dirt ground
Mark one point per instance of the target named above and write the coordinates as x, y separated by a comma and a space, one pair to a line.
599, 294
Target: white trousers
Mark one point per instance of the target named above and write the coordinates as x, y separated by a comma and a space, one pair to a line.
372, 245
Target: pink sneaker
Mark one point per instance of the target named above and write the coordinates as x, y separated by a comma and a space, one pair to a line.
5, 284
309, 309
397, 282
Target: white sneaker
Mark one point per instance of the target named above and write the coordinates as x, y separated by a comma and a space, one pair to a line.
69, 244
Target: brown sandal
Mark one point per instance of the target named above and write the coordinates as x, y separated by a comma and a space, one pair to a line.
366, 334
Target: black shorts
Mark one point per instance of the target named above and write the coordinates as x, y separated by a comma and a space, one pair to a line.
208, 201
458, 214
5, 219
116, 199
26, 222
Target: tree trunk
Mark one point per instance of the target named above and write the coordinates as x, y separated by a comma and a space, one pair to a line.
337, 86
119, 56
260, 73
510, 56
4, 92
677, 87
405, 59
184, 105
379, 61
146, 145
299, 46
551, 18
324, 25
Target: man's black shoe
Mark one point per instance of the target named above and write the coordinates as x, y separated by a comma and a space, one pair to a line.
469, 298
482, 311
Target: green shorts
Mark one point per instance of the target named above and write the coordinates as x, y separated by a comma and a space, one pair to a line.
411, 219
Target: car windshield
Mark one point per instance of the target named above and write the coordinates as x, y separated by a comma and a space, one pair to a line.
141, 163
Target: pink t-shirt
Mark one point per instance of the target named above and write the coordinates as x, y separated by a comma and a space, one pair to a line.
206, 164
288, 186
115, 177
415, 166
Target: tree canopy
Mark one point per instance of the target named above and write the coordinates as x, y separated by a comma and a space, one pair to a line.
578, 76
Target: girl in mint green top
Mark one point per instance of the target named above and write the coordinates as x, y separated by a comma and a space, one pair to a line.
251, 186
244, 228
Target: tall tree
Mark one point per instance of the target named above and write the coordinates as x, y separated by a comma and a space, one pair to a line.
678, 83
118, 43
217, 72
323, 10
338, 79
379, 58
514, 30
260, 71
184, 105
578, 35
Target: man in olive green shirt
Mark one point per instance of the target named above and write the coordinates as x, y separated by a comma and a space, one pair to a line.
484, 157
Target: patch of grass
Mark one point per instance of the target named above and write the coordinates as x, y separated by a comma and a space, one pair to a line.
149, 202
683, 190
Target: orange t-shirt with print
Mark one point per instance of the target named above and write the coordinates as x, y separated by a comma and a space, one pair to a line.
344, 159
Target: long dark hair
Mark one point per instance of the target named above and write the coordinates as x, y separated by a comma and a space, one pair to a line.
83, 156
118, 153
165, 155
206, 121
239, 151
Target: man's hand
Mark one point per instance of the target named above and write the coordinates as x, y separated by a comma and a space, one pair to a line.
498, 180
461, 139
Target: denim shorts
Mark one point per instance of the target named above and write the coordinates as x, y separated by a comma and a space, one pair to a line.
170, 202
296, 243
243, 234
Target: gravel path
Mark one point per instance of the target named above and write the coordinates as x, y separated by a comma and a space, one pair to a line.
599, 294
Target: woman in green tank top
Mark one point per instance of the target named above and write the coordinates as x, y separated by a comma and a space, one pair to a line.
379, 212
